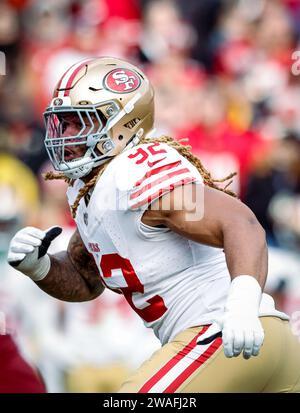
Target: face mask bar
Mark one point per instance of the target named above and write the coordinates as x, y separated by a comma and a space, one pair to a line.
87, 127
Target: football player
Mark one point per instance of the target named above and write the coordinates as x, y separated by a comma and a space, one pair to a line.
152, 224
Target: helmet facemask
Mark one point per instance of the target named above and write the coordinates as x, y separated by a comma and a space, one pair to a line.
90, 139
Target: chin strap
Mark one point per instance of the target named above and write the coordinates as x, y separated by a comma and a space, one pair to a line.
135, 139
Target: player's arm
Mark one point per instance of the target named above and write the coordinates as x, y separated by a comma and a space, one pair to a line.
229, 224
226, 223
73, 275
70, 275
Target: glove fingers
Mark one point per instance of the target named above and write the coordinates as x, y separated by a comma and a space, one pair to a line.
29, 240
22, 248
248, 347
258, 340
34, 232
255, 350
238, 343
228, 342
15, 258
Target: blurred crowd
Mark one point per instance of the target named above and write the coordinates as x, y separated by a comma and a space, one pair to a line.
226, 78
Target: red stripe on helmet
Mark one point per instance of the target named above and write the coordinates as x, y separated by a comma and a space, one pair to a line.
72, 77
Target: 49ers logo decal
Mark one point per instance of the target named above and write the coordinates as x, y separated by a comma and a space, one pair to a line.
122, 81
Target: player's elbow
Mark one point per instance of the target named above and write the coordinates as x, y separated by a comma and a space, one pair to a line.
254, 225
248, 225
261, 233
94, 291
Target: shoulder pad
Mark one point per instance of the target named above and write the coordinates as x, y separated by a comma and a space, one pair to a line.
148, 171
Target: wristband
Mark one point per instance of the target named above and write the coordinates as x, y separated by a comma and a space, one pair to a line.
244, 295
41, 271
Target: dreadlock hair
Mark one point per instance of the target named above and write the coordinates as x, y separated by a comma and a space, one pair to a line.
49, 176
184, 150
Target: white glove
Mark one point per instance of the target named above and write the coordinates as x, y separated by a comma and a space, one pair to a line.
240, 326
28, 251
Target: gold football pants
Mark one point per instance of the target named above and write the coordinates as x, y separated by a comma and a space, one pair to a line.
183, 366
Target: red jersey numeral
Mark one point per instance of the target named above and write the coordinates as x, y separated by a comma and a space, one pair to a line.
156, 307
143, 154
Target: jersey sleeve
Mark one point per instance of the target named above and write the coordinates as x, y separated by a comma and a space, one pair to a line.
159, 169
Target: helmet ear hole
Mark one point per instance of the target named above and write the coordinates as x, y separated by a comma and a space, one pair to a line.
120, 137
99, 149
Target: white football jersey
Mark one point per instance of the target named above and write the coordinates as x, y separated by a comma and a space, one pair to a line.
171, 282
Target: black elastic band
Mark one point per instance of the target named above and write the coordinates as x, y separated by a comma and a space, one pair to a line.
211, 338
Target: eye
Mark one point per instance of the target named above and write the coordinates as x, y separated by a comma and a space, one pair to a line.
64, 125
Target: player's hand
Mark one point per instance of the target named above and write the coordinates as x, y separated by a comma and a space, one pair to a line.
28, 251
240, 325
242, 333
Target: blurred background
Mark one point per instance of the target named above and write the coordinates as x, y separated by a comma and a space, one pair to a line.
222, 71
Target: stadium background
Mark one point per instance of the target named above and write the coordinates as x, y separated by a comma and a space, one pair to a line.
222, 71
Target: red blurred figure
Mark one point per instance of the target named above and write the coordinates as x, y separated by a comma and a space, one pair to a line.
16, 375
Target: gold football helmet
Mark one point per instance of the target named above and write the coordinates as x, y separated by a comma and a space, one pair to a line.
102, 105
